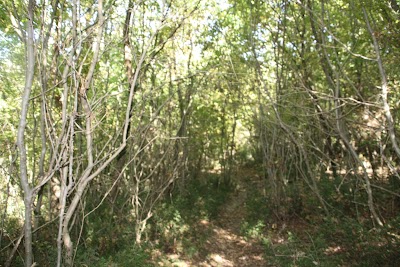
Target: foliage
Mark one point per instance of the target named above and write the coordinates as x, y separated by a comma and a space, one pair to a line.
174, 223
140, 114
128, 256
256, 205
353, 244
254, 231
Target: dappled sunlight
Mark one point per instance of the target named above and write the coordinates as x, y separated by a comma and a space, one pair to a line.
223, 248
200, 133
333, 250
224, 244
204, 222
218, 260
230, 249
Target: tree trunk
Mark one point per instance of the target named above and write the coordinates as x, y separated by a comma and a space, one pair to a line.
334, 83
384, 87
28, 192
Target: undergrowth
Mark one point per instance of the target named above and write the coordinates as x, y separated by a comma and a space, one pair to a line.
174, 225
308, 238
172, 229
333, 244
128, 256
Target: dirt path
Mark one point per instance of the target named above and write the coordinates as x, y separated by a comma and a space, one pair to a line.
225, 246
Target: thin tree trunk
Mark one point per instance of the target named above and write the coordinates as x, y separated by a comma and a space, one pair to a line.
13, 251
64, 134
28, 192
43, 107
67, 182
384, 87
311, 183
353, 153
334, 83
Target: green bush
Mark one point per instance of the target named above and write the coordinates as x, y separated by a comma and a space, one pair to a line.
129, 256
336, 243
257, 207
253, 230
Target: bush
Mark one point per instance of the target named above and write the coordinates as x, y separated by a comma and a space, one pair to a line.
129, 256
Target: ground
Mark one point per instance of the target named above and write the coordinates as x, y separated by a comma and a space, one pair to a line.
301, 238
225, 246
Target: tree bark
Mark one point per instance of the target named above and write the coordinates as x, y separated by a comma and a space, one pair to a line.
384, 86
28, 192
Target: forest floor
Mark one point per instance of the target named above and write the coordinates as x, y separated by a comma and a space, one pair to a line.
224, 244
243, 233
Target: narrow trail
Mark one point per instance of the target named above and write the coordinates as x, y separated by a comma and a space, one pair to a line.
224, 246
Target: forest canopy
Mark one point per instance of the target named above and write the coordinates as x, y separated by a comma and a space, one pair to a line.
124, 122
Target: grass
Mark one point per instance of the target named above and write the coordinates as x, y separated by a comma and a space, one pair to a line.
310, 239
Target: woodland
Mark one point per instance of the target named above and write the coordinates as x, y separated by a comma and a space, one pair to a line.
199, 133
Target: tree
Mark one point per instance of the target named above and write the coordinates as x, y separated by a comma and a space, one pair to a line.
27, 188
125, 104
